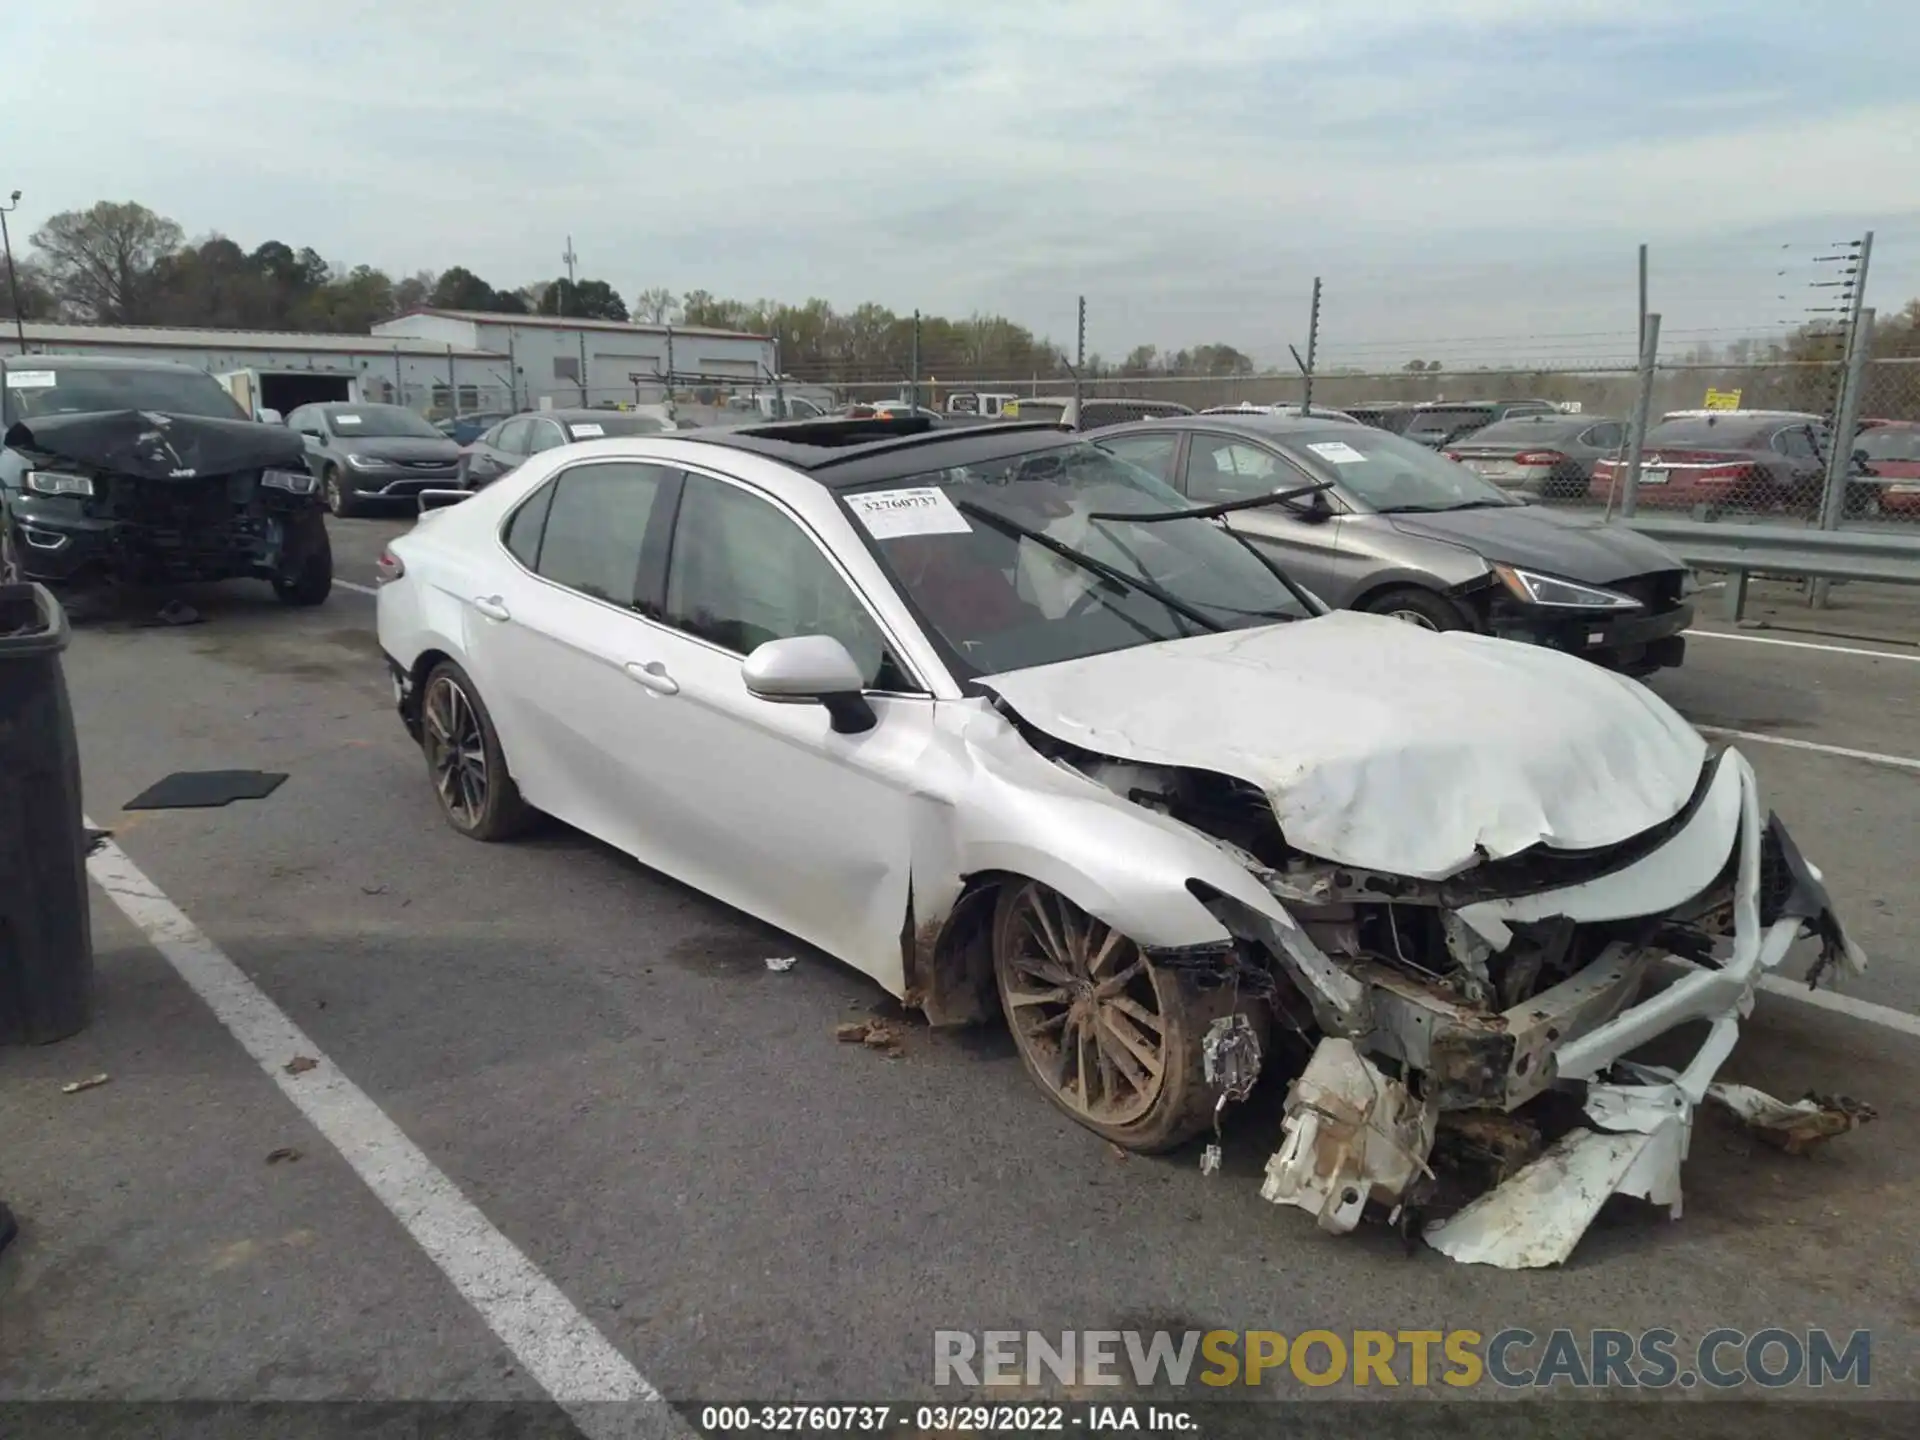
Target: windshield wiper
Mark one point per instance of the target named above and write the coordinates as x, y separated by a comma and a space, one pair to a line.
1442, 509
1107, 572
1207, 512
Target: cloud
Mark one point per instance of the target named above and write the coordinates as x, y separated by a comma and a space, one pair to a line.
1456, 169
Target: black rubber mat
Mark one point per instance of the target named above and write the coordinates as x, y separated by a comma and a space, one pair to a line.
202, 789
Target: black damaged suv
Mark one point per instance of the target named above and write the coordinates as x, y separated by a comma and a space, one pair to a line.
139, 472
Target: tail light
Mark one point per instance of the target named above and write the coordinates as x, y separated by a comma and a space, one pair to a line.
1539, 457
1719, 475
1453, 454
388, 567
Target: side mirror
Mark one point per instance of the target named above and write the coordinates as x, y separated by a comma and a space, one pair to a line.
810, 670
1315, 509
315, 436
272, 417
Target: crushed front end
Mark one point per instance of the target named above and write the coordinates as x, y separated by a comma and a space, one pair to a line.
1475, 1032
131, 497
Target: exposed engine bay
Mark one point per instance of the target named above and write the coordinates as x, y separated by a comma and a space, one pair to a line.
1470, 1035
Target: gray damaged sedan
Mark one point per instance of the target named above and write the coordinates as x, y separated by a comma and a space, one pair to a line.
1005, 724
1392, 528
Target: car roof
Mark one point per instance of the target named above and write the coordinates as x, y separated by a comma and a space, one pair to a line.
97, 362
1251, 422
841, 452
356, 405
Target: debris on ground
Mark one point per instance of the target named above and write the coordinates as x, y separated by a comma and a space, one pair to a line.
205, 789
97, 840
1794, 1128
373, 889
92, 1082
283, 1152
874, 1034
174, 612
1210, 1159
780, 964
1116, 1151
300, 1064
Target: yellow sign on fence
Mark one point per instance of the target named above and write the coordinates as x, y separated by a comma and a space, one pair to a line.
1723, 400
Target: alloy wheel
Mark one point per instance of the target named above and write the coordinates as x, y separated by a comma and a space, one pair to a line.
9, 559
1085, 1004
456, 751
1412, 617
335, 500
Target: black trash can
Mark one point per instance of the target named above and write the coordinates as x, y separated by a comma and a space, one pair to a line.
46, 938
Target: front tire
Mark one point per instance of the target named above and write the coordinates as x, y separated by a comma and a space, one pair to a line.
312, 581
1110, 1038
343, 501
476, 794
1418, 607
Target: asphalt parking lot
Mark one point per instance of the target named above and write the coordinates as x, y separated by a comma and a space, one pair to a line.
703, 1188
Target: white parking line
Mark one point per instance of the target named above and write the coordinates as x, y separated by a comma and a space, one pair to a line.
353, 585
572, 1361
1874, 757
1801, 645
1883, 1015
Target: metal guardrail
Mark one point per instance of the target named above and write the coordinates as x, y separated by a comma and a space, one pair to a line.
1741, 551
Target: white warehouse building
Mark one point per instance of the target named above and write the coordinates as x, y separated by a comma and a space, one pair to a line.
438, 362
559, 361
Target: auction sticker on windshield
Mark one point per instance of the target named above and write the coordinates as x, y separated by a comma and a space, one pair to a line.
346, 419
924, 510
31, 380
1339, 452
583, 432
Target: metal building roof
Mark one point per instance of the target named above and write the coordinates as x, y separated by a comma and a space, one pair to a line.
154, 337
571, 322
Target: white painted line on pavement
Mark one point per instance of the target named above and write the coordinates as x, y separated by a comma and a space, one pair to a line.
1800, 645
1885, 1015
353, 585
1902, 762
597, 1386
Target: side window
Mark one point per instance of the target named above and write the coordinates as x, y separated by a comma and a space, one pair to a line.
1152, 453
1609, 436
546, 436
596, 523
1220, 469
522, 535
742, 573
513, 436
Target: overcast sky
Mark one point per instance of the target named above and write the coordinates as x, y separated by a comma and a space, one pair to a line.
1470, 176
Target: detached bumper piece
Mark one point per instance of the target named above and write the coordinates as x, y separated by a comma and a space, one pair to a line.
1353, 1134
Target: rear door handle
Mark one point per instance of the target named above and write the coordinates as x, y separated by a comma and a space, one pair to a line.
493, 607
654, 676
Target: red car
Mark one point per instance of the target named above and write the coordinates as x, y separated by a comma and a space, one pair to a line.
1740, 460
1892, 452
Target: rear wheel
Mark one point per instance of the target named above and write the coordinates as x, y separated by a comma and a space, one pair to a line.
342, 499
311, 579
477, 795
1418, 607
1111, 1038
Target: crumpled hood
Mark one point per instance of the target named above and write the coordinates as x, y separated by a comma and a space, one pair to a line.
1578, 547
1383, 745
152, 446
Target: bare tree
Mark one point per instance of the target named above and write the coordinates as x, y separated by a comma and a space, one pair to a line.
101, 261
656, 306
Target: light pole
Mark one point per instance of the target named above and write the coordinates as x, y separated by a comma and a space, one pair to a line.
13, 278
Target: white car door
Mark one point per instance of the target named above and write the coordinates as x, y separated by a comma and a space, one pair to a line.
765, 805
553, 645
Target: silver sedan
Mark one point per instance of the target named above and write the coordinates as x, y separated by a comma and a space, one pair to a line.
999, 720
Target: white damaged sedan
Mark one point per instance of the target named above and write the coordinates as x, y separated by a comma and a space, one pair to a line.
1006, 724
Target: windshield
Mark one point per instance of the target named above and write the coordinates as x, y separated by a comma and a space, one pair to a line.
1446, 422
386, 422
601, 426
1890, 442
1527, 429
1388, 474
34, 390
1002, 600
1717, 434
